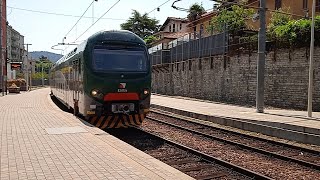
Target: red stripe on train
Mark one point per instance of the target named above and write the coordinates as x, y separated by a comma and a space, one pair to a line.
121, 96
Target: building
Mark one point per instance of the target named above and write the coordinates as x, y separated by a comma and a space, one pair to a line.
16, 53
200, 26
171, 29
298, 9
15, 46
3, 45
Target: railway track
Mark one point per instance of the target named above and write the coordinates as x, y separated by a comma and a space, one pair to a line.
271, 156
188, 160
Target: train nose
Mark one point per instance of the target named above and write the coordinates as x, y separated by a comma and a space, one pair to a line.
126, 108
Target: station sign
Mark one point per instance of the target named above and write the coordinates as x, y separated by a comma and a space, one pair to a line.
15, 66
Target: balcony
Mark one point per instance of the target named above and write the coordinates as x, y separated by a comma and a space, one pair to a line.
15, 45
15, 38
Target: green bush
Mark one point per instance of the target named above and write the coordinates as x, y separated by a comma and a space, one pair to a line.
293, 33
234, 19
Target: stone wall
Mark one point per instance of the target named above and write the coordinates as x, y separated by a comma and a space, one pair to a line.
233, 79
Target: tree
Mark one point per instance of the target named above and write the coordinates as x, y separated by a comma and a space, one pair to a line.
195, 11
279, 18
142, 25
38, 75
234, 19
150, 39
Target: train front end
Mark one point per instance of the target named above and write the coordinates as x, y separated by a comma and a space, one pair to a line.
118, 80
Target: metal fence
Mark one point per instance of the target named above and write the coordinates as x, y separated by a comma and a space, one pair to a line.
183, 49
38, 82
194, 45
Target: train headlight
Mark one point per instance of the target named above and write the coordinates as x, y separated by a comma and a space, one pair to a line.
146, 92
94, 92
97, 94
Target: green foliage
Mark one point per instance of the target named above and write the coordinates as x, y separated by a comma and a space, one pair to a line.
142, 25
38, 75
279, 18
295, 33
234, 19
43, 65
195, 11
150, 39
20, 75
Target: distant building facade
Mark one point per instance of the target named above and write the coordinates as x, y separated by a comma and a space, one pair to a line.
3, 47
16, 53
171, 29
15, 45
199, 27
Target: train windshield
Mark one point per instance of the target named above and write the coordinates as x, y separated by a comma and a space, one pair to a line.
119, 59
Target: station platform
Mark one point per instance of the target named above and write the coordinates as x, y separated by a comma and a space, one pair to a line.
40, 141
285, 124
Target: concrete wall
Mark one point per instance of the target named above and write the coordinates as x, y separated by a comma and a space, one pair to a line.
233, 80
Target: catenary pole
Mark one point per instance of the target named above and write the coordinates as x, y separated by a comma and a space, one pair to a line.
27, 66
261, 58
1, 59
42, 73
310, 88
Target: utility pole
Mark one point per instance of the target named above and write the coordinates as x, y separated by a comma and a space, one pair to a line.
27, 65
42, 73
92, 13
310, 88
1, 59
261, 58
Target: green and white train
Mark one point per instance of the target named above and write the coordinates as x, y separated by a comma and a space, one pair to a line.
106, 79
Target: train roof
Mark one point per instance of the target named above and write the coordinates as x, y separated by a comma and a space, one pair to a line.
112, 35
116, 35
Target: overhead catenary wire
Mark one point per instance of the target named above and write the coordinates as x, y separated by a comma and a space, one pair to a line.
94, 22
58, 14
98, 19
159, 6
79, 18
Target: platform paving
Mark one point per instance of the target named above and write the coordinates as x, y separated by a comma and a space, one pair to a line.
287, 124
40, 141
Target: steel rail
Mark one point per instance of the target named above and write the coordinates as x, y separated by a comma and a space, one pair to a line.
261, 151
238, 133
209, 158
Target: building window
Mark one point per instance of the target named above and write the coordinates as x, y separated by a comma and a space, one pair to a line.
170, 28
305, 4
174, 28
201, 29
195, 32
180, 26
278, 4
318, 5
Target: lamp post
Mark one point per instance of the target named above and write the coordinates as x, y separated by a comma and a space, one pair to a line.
42, 73
261, 58
2, 76
27, 66
310, 88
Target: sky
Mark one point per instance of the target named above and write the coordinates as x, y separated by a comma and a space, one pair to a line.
46, 30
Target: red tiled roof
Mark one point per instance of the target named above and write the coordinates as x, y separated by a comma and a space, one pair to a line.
205, 15
172, 18
175, 35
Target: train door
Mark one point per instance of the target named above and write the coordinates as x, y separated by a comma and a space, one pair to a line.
75, 92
